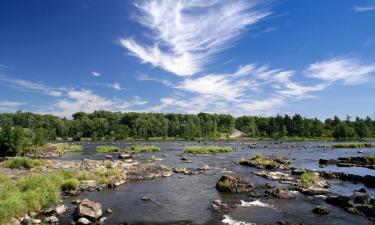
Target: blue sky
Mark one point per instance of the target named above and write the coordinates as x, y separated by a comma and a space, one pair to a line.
242, 57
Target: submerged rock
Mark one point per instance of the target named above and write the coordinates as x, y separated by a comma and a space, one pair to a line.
320, 210
281, 193
89, 209
233, 184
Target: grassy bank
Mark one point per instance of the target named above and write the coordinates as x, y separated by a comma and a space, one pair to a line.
61, 148
32, 193
308, 178
353, 145
23, 163
107, 148
207, 149
139, 148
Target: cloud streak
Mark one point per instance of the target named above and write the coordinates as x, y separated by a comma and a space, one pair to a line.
187, 34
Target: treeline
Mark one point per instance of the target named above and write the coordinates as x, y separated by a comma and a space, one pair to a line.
21, 130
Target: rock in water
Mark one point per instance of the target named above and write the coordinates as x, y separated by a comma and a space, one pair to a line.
320, 210
233, 184
89, 209
83, 221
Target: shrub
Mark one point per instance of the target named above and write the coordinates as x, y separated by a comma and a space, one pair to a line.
32, 192
71, 184
66, 147
308, 178
139, 148
85, 175
207, 149
23, 163
105, 148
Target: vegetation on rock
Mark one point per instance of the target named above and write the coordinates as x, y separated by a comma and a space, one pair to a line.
107, 148
353, 145
139, 148
207, 149
23, 163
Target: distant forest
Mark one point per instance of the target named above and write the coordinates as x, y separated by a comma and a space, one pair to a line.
36, 129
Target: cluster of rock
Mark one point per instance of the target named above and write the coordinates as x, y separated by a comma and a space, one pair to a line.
190, 171
263, 162
148, 171
88, 212
49, 215
361, 161
360, 202
368, 180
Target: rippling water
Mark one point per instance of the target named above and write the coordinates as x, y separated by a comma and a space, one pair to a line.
187, 200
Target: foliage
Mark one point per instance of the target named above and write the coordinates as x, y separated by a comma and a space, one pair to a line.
71, 184
207, 149
139, 148
371, 158
66, 147
29, 193
308, 178
107, 148
25, 128
353, 145
106, 175
23, 163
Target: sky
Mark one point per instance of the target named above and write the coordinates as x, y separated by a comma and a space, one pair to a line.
242, 57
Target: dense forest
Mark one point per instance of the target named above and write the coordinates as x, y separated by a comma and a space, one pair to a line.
22, 130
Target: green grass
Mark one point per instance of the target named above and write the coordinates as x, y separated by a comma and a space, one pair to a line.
371, 158
353, 145
259, 160
33, 192
69, 185
139, 148
308, 178
207, 149
23, 163
223, 185
106, 175
107, 148
66, 147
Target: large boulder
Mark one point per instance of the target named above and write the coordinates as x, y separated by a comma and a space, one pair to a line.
89, 209
233, 184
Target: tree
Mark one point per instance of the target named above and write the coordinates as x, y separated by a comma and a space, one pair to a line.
40, 137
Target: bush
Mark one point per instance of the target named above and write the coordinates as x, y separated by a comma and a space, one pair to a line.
65, 147
85, 175
69, 185
308, 178
139, 148
30, 193
207, 149
104, 176
105, 148
23, 163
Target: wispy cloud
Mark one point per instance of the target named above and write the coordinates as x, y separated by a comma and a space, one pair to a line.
364, 8
31, 86
8, 106
187, 34
96, 74
145, 77
347, 70
87, 101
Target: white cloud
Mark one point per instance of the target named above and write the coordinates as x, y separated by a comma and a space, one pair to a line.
227, 86
87, 101
261, 106
117, 86
348, 70
31, 86
364, 8
295, 90
96, 74
145, 77
8, 106
187, 34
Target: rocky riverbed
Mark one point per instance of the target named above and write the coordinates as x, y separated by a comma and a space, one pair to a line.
169, 187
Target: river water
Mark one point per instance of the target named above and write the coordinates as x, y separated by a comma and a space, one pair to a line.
188, 199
